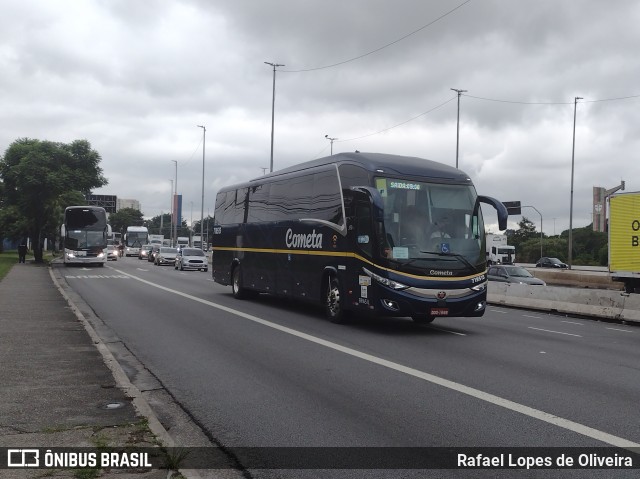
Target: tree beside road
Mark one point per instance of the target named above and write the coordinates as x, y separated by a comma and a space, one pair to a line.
39, 179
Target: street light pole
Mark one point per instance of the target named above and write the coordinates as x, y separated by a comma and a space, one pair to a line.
331, 140
573, 152
460, 92
170, 208
273, 106
204, 138
540, 226
174, 229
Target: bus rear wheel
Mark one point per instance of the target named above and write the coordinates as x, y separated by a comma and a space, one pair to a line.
333, 305
236, 283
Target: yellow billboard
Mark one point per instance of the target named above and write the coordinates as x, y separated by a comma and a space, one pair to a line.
624, 232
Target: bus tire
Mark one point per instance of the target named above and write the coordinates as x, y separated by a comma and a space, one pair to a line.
422, 318
236, 283
334, 301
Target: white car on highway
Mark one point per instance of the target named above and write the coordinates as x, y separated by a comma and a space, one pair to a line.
191, 258
165, 256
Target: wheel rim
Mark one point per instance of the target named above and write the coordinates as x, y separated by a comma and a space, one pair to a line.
333, 299
236, 280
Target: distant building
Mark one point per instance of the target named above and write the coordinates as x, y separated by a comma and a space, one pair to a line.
126, 203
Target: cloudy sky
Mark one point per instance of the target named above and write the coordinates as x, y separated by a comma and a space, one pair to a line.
135, 78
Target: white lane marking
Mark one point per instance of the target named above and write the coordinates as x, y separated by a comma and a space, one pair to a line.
461, 388
446, 331
556, 332
501, 311
572, 322
530, 316
623, 330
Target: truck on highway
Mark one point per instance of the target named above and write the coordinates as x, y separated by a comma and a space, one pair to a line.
624, 239
183, 241
498, 251
156, 239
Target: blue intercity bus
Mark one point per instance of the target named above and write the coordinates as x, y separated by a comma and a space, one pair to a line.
372, 233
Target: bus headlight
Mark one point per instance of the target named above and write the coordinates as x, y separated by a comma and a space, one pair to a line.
101, 255
385, 281
479, 287
70, 255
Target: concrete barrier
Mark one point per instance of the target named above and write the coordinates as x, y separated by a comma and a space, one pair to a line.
583, 279
605, 304
631, 310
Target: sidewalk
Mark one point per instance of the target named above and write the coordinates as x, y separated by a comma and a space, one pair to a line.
56, 388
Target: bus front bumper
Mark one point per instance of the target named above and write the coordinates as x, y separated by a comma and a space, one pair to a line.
411, 302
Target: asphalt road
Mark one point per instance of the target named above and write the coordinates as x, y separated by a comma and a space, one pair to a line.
269, 372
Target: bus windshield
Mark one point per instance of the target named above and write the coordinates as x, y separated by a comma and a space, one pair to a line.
136, 239
431, 224
81, 239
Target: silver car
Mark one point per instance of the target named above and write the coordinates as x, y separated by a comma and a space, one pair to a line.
192, 258
165, 256
512, 274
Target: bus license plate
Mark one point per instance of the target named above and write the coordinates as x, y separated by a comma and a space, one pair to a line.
439, 312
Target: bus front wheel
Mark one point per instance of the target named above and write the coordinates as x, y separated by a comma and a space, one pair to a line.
334, 302
236, 283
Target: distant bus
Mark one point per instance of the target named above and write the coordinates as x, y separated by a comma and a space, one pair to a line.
84, 234
135, 237
117, 237
357, 232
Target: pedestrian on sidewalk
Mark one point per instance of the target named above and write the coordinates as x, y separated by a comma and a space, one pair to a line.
22, 252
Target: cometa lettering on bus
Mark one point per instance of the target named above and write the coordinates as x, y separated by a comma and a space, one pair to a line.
306, 241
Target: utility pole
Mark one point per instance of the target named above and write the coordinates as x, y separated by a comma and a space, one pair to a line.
540, 225
573, 152
331, 140
174, 230
204, 138
460, 92
170, 208
273, 106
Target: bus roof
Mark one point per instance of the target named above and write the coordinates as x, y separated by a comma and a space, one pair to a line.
382, 163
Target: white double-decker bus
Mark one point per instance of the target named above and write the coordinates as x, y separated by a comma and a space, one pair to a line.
134, 239
84, 235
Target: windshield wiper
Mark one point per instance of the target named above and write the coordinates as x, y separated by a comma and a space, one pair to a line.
453, 255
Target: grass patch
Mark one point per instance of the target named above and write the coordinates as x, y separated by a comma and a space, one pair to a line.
7, 260
91, 473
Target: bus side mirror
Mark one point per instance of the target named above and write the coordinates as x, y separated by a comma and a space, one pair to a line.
503, 214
